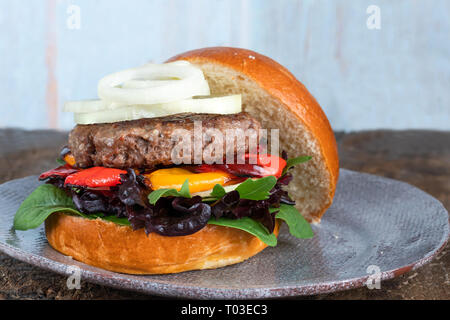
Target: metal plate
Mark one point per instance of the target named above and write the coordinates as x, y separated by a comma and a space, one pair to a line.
373, 221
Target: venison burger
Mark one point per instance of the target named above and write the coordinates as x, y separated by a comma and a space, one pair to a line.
192, 164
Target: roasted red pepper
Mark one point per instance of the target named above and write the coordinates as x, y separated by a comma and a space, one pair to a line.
62, 171
264, 165
95, 177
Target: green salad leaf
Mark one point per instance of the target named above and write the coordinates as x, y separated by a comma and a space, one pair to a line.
60, 161
41, 203
218, 192
298, 226
154, 196
294, 161
256, 189
116, 220
249, 225
47, 199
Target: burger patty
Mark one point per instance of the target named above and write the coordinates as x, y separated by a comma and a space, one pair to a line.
147, 143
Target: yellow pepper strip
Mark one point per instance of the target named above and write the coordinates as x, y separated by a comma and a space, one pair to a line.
173, 178
69, 159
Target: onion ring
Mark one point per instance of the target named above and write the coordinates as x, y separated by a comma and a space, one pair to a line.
219, 105
153, 90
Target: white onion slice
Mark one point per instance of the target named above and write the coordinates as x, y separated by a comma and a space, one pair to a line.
219, 105
84, 106
138, 84
178, 63
225, 105
152, 90
121, 114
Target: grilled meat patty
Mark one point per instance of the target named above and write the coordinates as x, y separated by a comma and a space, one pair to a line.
147, 143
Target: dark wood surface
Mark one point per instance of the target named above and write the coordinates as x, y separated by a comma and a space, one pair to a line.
421, 158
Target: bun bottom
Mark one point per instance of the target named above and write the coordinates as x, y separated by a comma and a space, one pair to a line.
118, 248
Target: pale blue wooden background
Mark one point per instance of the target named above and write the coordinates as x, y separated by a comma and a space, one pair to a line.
396, 77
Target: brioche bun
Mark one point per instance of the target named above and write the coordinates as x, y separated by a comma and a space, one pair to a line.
272, 95
118, 248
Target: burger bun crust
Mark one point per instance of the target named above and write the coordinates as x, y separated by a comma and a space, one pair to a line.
113, 247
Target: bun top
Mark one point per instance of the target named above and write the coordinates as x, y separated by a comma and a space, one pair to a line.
272, 94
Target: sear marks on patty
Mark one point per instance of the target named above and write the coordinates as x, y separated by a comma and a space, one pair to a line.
147, 143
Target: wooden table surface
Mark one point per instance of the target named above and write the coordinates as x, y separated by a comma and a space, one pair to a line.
421, 158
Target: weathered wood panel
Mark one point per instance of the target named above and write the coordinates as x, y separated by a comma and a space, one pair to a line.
397, 76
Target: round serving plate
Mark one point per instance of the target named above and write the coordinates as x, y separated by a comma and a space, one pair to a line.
377, 228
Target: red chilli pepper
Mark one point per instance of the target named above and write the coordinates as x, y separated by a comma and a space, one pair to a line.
259, 166
95, 177
62, 171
